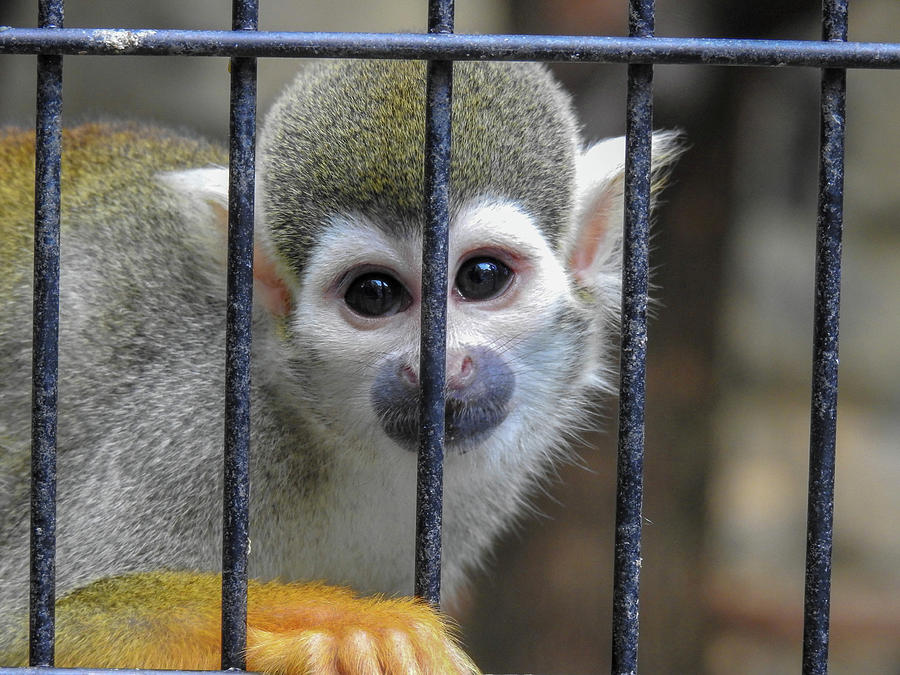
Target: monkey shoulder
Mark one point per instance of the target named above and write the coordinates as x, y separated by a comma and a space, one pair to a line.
98, 159
139, 268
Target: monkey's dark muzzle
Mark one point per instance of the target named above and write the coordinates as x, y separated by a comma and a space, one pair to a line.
473, 410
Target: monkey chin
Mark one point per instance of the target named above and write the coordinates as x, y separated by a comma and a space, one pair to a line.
466, 424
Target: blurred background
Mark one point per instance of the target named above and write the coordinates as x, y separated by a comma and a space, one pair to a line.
730, 342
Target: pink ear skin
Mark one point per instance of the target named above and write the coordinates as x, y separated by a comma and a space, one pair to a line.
593, 233
599, 212
271, 290
270, 287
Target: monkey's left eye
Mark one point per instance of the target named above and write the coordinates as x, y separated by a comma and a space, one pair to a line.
377, 294
482, 278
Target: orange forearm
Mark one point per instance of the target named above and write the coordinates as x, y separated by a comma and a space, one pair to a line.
166, 620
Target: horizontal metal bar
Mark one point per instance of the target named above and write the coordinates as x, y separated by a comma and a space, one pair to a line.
96, 41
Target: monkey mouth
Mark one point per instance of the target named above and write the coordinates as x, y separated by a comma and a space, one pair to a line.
466, 424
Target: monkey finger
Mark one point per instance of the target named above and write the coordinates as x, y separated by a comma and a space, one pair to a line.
357, 652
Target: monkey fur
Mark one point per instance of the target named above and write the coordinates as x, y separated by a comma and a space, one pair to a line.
535, 230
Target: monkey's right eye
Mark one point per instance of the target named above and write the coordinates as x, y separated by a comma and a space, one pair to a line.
377, 294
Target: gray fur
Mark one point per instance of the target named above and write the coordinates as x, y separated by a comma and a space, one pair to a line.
142, 346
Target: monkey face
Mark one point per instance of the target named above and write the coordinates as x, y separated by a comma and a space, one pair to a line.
341, 204
357, 316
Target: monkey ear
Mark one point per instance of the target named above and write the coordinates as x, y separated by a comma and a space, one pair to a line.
207, 190
593, 249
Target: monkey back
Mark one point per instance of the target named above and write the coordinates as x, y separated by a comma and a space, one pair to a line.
99, 160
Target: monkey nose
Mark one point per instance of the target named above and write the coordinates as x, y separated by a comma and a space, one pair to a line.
408, 374
460, 371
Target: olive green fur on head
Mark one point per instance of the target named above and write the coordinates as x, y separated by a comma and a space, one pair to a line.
347, 137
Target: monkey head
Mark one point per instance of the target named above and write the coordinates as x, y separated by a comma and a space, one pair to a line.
534, 276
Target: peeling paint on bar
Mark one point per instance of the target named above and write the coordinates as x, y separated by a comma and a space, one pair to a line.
123, 40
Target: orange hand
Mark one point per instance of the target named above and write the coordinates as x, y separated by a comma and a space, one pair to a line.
322, 629
172, 620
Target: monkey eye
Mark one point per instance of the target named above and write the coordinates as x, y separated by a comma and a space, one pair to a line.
376, 294
482, 278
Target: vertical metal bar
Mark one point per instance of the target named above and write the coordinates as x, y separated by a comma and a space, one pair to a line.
823, 409
430, 473
235, 533
635, 272
48, 150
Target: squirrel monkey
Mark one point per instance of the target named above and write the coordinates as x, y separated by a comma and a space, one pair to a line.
536, 220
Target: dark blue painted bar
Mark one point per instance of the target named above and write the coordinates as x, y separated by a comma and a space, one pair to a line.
570, 48
45, 349
635, 274
236, 525
823, 415
430, 473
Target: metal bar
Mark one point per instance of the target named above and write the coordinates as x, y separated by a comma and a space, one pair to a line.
635, 273
45, 349
823, 410
235, 532
430, 470
458, 47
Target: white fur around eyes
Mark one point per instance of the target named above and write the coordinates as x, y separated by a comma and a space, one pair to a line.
355, 240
